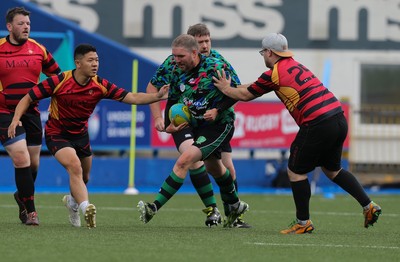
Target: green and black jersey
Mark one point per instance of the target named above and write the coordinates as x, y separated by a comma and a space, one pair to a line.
169, 73
196, 90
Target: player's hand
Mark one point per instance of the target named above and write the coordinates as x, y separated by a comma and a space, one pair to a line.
222, 82
159, 124
12, 127
163, 92
210, 114
172, 128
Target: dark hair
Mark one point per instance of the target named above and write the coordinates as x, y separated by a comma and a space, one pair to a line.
11, 13
186, 41
83, 49
198, 30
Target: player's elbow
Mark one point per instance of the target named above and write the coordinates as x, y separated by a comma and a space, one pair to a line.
27, 99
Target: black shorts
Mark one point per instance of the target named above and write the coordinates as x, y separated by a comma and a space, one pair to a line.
33, 129
187, 133
5, 121
319, 145
212, 138
81, 144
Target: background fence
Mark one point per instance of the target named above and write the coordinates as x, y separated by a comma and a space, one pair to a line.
375, 143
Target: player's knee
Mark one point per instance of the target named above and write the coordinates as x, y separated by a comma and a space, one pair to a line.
21, 159
294, 177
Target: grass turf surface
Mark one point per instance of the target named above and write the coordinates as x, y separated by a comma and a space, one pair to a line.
178, 233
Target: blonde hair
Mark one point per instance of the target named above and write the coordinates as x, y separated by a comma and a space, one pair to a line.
186, 41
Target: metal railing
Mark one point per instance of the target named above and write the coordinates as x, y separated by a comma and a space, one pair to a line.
375, 139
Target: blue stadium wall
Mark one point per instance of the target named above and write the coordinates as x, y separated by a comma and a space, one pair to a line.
111, 174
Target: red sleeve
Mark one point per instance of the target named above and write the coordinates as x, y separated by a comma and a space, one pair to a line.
46, 88
50, 66
112, 91
263, 85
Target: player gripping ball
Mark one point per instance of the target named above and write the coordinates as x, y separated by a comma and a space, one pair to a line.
179, 114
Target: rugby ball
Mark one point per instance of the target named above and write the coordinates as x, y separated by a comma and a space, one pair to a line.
179, 114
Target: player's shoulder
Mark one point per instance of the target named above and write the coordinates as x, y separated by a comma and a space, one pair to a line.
212, 63
3, 40
287, 60
62, 77
167, 65
211, 59
67, 74
285, 63
98, 80
101, 82
169, 61
33, 43
216, 54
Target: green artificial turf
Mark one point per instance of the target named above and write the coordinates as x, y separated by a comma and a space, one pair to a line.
178, 233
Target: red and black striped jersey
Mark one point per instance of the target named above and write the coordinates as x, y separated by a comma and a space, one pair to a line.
72, 104
20, 68
303, 94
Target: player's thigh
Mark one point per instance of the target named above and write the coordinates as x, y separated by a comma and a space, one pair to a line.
305, 151
187, 158
20, 134
19, 154
332, 156
210, 138
68, 158
318, 145
183, 139
185, 145
34, 153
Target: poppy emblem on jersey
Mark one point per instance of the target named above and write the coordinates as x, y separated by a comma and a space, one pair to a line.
182, 87
200, 140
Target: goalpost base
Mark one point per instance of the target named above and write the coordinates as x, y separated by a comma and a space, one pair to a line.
131, 191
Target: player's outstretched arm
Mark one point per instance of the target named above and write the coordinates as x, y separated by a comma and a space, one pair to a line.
146, 98
223, 83
155, 109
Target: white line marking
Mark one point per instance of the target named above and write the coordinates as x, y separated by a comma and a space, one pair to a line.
316, 245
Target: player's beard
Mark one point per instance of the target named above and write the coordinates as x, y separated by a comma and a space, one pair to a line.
21, 38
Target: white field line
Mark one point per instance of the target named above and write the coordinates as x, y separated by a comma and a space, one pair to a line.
166, 209
319, 245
